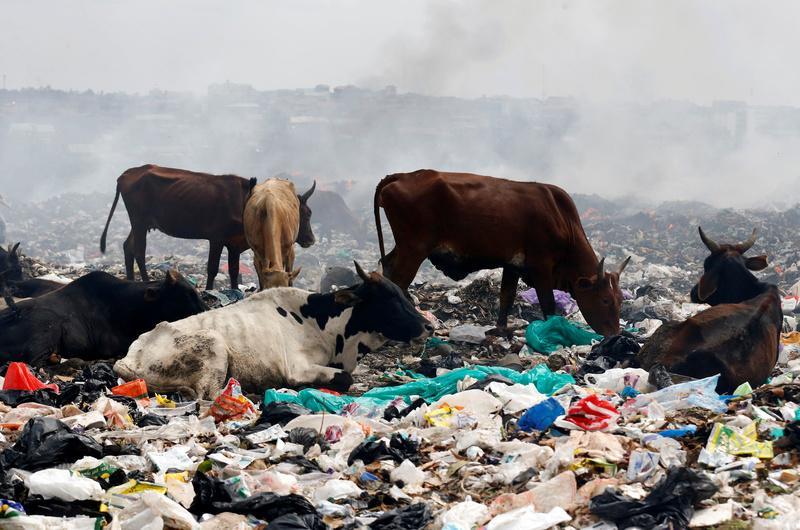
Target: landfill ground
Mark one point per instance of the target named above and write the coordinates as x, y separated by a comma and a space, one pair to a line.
472, 430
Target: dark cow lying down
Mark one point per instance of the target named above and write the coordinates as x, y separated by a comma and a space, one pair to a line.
278, 337
95, 317
738, 337
12, 281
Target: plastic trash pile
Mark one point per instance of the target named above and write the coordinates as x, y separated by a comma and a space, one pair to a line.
472, 447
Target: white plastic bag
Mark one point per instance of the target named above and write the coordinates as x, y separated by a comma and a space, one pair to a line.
63, 484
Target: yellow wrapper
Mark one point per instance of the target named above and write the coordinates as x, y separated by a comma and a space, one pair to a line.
738, 442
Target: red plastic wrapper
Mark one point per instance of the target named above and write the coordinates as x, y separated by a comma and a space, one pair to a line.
231, 404
592, 414
19, 377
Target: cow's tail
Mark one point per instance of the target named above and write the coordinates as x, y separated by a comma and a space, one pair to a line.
108, 221
377, 210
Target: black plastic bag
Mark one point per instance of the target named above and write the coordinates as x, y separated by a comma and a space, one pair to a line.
207, 490
265, 506
152, 419
371, 450
659, 376
415, 516
408, 448
393, 412
281, 413
301, 461
96, 378
36, 505
44, 396
291, 521
47, 442
670, 504
307, 437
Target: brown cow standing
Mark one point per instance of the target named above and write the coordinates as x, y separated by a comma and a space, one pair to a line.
464, 223
183, 204
738, 337
274, 218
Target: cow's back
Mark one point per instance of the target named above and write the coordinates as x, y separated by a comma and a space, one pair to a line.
479, 216
184, 203
272, 216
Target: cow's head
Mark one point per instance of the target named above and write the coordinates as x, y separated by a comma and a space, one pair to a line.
600, 298
726, 272
278, 278
10, 267
305, 236
379, 306
173, 298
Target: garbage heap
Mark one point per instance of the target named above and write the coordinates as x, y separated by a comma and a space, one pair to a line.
562, 431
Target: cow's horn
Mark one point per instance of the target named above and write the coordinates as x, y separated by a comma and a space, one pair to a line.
307, 194
601, 269
707, 241
744, 246
624, 264
361, 272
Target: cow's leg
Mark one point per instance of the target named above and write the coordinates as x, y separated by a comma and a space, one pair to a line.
127, 249
288, 262
405, 266
259, 265
139, 250
233, 265
214, 253
388, 262
323, 376
508, 291
547, 300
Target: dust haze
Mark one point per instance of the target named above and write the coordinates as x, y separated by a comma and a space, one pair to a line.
650, 100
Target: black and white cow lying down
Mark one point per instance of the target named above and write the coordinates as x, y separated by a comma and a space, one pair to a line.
276, 338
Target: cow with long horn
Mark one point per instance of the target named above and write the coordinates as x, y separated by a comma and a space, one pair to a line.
726, 272
737, 338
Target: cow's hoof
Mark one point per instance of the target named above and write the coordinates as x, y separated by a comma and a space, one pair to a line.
500, 331
341, 382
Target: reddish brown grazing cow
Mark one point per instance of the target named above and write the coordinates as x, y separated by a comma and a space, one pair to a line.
738, 337
464, 223
182, 204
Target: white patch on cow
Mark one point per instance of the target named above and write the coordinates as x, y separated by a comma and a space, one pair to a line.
250, 341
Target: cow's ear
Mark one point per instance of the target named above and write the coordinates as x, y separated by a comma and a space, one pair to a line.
150, 294
172, 277
584, 284
346, 297
706, 287
756, 263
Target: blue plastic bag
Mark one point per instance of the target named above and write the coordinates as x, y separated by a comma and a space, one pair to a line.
541, 416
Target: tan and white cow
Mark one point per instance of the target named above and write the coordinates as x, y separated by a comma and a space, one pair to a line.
275, 217
275, 338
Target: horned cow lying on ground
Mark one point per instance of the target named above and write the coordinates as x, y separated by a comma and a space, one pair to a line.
97, 316
278, 337
738, 337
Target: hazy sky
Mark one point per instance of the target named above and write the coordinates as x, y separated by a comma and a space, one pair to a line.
595, 49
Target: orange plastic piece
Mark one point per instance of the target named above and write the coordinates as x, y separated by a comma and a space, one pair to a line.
136, 389
19, 377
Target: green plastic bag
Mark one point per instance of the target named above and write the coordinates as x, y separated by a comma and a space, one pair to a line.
430, 390
547, 336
